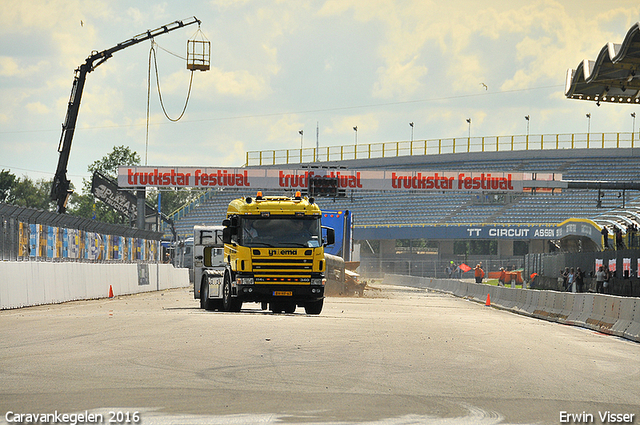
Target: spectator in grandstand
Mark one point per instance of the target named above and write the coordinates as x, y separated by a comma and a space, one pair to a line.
478, 273
600, 276
631, 232
503, 277
579, 279
605, 236
619, 240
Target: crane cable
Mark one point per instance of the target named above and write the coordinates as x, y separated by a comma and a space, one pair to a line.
152, 53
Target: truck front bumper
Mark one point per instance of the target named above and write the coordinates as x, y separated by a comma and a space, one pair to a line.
261, 292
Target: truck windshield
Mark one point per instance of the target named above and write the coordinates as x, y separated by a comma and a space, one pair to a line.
280, 231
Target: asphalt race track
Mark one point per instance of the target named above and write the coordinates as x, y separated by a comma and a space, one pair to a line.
395, 356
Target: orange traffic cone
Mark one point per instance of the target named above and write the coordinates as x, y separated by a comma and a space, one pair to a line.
110, 292
488, 303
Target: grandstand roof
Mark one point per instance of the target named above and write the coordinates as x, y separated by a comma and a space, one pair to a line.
614, 76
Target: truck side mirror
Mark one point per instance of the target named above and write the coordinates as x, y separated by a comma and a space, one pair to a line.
331, 236
226, 235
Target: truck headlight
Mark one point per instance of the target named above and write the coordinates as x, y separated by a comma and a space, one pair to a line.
317, 281
245, 281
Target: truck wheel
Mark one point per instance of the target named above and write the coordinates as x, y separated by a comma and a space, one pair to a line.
276, 307
226, 293
314, 307
206, 302
229, 303
290, 307
204, 295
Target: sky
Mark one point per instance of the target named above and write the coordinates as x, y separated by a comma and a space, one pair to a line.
278, 67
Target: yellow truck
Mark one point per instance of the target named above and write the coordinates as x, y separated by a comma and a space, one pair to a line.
274, 254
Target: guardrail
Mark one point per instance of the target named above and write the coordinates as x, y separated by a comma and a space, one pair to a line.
608, 314
442, 146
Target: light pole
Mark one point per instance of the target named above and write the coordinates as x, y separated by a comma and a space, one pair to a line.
526, 117
301, 132
411, 124
355, 129
588, 124
633, 127
469, 121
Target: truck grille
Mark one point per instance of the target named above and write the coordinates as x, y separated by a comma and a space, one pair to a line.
290, 270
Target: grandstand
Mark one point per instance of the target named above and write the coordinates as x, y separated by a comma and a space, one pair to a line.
434, 208
444, 218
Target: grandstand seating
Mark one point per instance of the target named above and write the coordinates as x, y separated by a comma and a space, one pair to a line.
383, 208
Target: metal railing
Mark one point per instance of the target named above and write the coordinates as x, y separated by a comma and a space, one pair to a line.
442, 146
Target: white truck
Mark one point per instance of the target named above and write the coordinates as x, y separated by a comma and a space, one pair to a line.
208, 266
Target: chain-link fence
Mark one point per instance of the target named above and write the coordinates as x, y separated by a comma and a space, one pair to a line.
28, 234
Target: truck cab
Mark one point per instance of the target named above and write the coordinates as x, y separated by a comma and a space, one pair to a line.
208, 265
274, 254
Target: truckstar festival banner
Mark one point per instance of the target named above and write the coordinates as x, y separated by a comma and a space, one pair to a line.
271, 178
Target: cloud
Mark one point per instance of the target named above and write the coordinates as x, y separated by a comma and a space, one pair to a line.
37, 107
239, 83
399, 79
8, 67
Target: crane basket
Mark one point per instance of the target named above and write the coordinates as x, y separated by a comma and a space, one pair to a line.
198, 52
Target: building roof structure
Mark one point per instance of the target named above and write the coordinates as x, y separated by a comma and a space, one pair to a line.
614, 76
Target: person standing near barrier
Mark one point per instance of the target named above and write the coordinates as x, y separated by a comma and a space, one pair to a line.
607, 280
579, 279
571, 281
600, 276
479, 273
503, 277
560, 280
565, 279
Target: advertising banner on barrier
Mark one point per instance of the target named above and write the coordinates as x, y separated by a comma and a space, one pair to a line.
273, 178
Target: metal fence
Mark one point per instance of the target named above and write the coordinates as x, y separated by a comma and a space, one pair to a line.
624, 265
443, 146
376, 268
28, 234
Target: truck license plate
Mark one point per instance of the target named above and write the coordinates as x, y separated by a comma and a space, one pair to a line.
282, 293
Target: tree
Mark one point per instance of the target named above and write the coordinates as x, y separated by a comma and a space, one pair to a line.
85, 204
7, 181
108, 165
27, 193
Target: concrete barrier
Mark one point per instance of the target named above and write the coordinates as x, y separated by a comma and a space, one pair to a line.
625, 319
603, 313
29, 283
587, 310
575, 309
598, 313
633, 330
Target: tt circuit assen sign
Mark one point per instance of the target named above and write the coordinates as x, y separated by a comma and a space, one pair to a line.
569, 228
256, 178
